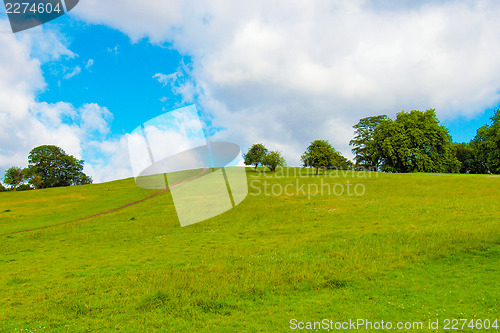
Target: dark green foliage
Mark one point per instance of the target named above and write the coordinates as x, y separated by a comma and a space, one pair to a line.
465, 155
486, 146
415, 142
35, 180
24, 187
273, 159
469, 158
320, 154
50, 166
255, 155
364, 142
2, 188
13, 177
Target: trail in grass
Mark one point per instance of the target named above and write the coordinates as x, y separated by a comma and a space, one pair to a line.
202, 172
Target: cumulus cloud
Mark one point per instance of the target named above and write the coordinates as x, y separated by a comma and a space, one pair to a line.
78, 131
288, 72
107, 159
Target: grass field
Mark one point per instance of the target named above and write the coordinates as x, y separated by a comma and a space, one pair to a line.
414, 247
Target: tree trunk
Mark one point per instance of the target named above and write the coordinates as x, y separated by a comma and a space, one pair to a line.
317, 171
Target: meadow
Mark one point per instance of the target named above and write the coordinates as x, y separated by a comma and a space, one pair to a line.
413, 247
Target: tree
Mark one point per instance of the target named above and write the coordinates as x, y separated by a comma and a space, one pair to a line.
465, 155
255, 155
320, 154
415, 142
34, 179
469, 158
486, 146
13, 177
54, 168
364, 141
2, 188
273, 159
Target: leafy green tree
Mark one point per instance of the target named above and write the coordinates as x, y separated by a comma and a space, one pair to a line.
13, 177
415, 142
2, 188
486, 146
255, 155
471, 161
465, 155
55, 168
273, 159
35, 180
320, 154
364, 145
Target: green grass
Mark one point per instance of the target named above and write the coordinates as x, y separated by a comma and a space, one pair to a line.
37, 209
414, 247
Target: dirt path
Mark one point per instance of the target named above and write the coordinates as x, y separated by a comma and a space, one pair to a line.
202, 172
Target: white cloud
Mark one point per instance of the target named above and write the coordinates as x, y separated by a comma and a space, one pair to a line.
77, 70
20, 75
288, 72
79, 132
46, 45
108, 160
95, 119
164, 78
113, 50
89, 64
180, 83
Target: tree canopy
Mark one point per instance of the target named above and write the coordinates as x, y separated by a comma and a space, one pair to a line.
50, 166
320, 154
14, 177
365, 148
415, 142
486, 147
273, 159
255, 155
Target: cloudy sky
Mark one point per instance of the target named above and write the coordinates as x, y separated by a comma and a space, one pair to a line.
279, 72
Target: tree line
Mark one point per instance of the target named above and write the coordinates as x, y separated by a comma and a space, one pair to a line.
319, 155
413, 142
48, 166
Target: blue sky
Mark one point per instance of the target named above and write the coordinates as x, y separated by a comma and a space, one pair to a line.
257, 72
120, 75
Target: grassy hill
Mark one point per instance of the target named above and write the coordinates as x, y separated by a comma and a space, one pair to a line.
414, 247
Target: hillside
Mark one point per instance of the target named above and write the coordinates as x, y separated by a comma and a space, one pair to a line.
414, 247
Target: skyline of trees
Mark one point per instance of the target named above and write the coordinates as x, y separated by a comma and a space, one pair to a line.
413, 142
